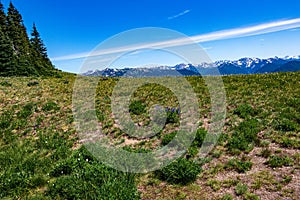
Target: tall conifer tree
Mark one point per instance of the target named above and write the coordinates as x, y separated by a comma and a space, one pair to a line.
39, 46
21, 45
2, 17
7, 65
19, 55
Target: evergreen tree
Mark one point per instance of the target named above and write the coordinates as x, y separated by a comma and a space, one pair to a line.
41, 61
37, 42
2, 17
21, 44
39, 46
7, 66
19, 55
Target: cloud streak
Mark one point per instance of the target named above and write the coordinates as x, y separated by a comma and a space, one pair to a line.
178, 15
261, 29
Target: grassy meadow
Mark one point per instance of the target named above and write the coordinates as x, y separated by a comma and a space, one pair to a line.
257, 155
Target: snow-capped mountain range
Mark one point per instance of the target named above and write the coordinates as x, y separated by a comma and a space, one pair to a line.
224, 67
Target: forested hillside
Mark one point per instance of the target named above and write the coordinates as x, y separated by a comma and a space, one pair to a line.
21, 55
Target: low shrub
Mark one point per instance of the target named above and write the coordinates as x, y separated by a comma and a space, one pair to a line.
241, 189
50, 106
239, 166
89, 179
167, 138
290, 143
265, 153
285, 125
137, 107
200, 136
227, 197
279, 161
5, 120
245, 136
173, 115
181, 171
214, 184
26, 111
245, 111
251, 196
5, 83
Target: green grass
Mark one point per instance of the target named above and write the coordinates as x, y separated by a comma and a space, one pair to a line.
241, 189
181, 171
238, 165
41, 156
279, 161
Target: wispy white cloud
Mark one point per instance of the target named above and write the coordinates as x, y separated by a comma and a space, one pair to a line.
207, 48
178, 15
295, 29
261, 29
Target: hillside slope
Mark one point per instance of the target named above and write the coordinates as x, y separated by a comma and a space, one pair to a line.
257, 156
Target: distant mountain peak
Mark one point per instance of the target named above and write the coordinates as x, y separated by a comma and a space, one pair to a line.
244, 65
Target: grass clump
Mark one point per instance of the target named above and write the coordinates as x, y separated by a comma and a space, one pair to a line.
167, 138
285, 125
227, 197
83, 177
5, 84
173, 115
279, 161
200, 136
26, 111
50, 106
245, 111
245, 136
137, 107
181, 171
241, 189
265, 153
214, 184
251, 196
239, 166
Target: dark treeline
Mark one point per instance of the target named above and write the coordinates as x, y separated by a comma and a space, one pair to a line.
21, 55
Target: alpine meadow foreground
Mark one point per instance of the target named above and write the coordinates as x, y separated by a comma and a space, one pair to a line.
257, 155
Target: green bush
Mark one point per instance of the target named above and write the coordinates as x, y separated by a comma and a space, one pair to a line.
5, 83
250, 196
265, 153
285, 125
50, 106
245, 111
181, 171
26, 111
289, 142
167, 138
192, 151
172, 116
279, 161
200, 136
137, 107
214, 184
245, 136
89, 179
241, 189
239, 166
227, 197
5, 120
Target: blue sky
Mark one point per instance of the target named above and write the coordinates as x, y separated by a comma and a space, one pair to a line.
226, 29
